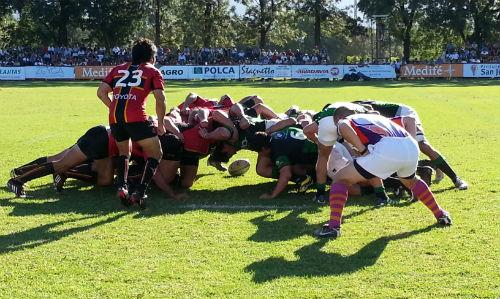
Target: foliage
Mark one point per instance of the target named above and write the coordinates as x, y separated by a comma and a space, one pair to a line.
419, 27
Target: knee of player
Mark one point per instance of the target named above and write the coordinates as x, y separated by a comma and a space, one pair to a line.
187, 183
61, 166
104, 181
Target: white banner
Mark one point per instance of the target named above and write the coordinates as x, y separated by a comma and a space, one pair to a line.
317, 72
49, 72
204, 72
176, 72
481, 70
12, 73
371, 71
265, 71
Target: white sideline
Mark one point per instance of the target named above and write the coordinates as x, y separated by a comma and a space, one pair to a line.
245, 207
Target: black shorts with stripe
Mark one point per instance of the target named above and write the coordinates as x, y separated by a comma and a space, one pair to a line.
135, 130
94, 143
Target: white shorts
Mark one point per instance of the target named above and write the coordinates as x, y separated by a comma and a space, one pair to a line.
339, 158
391, 155
271, 122
408, 111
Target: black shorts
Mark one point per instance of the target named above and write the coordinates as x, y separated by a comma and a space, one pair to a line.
250, 112
306, 159
94, 143
136, 131
190, 158
248, 103
172, 147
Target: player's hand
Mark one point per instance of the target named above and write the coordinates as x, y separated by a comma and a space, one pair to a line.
180, 136
203, 133
244, 123
161, 130
181, 196
204, 124
266, 196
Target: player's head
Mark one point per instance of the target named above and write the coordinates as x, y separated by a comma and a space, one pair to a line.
144, 50
259, 141
342, 112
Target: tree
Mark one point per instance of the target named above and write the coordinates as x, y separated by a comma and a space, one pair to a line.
403, 15
320, 10
472, 20
112, 22
261, 16
49, 21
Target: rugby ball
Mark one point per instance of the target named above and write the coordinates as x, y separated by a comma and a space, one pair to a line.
239, 167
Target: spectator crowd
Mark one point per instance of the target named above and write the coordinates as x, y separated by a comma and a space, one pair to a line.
471, 53
82, 56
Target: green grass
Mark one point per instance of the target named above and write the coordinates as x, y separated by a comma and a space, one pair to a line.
224, 241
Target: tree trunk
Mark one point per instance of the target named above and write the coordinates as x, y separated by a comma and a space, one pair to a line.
207, 23
317, 23
63, 20
407, 45
263, 38
157, 23
262, 24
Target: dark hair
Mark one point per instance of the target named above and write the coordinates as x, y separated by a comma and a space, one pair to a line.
144, 50
258, 141
342, 112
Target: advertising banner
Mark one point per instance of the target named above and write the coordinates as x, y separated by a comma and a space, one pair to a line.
265, 71
481, 70
432, 71
371, 71
317, 72
49, 72
176, 72
12, 73
92, 72
204, 72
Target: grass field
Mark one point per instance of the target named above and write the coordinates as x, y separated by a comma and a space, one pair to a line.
224, 241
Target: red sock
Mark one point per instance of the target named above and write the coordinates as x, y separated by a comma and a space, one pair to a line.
422, 192
338, 198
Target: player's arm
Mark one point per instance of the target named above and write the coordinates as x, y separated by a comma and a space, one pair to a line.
219, 134
350, 136
190, 99
222, 118
103, 92
285, 175
281, 125
172, 128
160, 182
410, 125
322, 163
161, 109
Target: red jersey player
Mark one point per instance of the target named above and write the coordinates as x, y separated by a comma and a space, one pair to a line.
131, 83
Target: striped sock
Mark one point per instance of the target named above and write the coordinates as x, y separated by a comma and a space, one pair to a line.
422, 192
338, 198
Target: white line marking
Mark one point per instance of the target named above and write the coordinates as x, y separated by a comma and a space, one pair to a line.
246, 207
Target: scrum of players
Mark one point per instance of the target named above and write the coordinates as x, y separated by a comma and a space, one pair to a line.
361, 147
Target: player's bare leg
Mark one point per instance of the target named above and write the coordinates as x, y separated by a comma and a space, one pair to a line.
165, 175
37, 162
72, 158
441, 165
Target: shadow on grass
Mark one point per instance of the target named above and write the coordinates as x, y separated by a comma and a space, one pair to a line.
48, 233
291, 226
314, 262
101, 201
